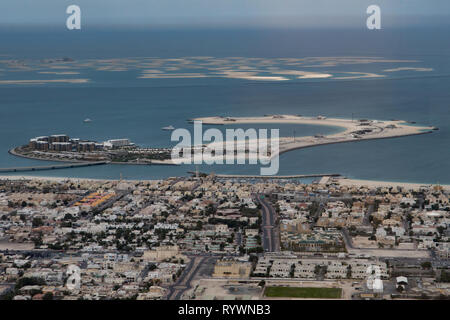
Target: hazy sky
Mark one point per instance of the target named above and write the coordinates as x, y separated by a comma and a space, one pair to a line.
224, 13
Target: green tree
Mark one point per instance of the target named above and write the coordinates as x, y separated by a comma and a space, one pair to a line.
37, 222
48, 296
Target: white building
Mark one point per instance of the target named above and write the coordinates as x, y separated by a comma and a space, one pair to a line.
114, 143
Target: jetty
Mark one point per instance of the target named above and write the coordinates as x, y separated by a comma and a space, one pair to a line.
53, 166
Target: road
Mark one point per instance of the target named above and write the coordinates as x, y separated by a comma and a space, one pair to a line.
370, 210
270, 238
109, 203
316, 215
347, 239
197, 266
238, 238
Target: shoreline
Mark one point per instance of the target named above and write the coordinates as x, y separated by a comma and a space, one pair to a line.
380, 183
342, 181
56, 179
14, 152
354, 130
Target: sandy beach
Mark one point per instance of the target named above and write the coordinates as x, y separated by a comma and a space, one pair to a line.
354, 130
349, 125
377, 184
341, 180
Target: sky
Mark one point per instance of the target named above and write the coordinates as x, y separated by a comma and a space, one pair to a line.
225, 13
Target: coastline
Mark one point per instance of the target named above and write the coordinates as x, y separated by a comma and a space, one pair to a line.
379, 183
343, 181
168, 162
354, 130
56, 179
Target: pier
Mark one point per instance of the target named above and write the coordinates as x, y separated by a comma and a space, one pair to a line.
53, 167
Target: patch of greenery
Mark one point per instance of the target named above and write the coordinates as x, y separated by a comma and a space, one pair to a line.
292, 292
445, 276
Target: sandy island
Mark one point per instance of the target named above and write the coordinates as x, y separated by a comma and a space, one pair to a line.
354, 130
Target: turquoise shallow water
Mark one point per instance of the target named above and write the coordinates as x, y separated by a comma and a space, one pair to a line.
122, 105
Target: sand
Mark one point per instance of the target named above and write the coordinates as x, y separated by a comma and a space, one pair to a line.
251, 76
377, 184
409, 69
380, 129
342, 181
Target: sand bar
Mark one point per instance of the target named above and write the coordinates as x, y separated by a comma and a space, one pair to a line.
354, 130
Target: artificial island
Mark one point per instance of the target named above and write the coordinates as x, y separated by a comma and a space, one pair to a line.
122, 151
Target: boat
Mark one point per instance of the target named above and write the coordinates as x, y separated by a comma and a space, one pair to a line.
87, 120
168, 128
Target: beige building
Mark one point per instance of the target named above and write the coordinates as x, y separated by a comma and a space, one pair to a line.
162, 253
232, 269
154, 292
221, 228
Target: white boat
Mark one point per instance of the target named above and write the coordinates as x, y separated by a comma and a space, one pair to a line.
87, 120
168, 128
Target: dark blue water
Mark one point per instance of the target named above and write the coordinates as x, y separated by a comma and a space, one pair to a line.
123, 106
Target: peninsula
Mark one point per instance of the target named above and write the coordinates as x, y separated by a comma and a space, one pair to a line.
354, 130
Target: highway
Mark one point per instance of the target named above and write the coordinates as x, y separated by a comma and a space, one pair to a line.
270, 232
